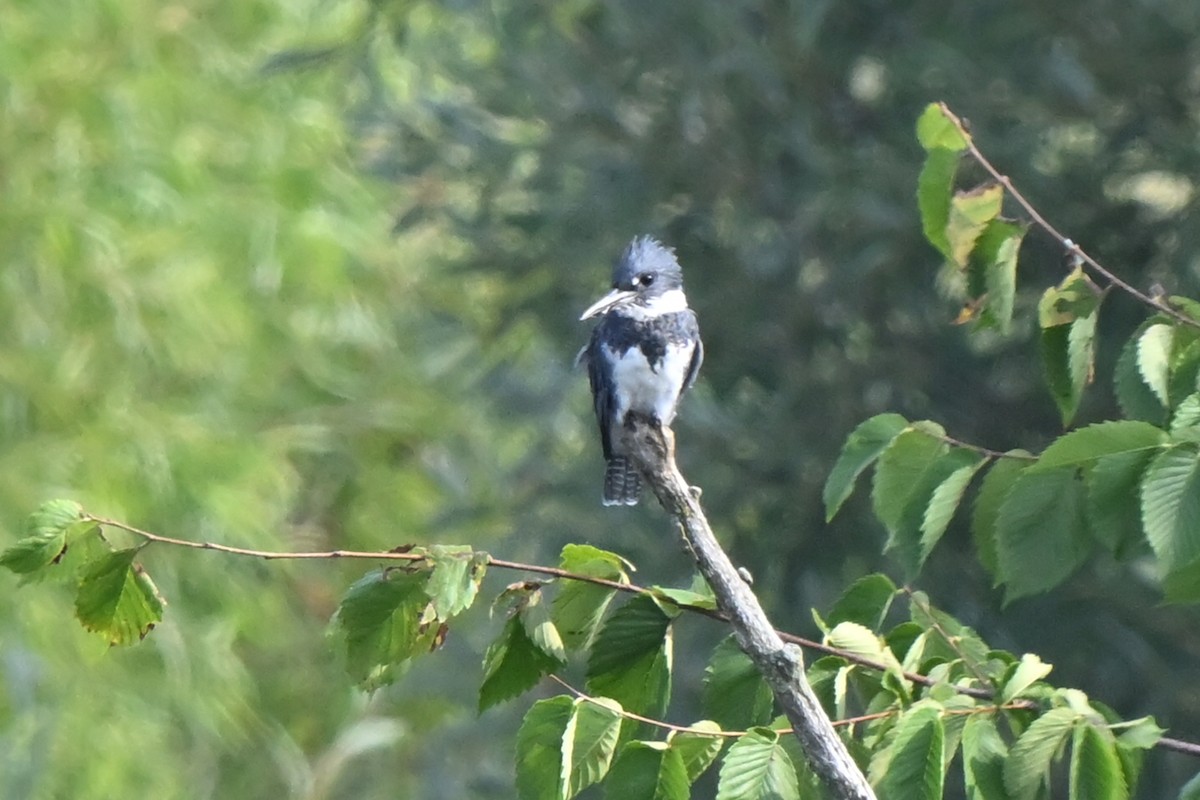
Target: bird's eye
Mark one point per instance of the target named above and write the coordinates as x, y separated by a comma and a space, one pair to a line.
646, 279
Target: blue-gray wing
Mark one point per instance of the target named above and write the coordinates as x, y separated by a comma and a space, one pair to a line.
600, 377
697, 354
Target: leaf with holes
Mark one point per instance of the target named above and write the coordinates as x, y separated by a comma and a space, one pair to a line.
454, 582
46, 534
513, 665
117, 599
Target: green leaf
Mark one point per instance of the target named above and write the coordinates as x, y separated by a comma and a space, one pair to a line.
1030, 670
916, 770
902, 467
539, 757
1187, 414
1136, 399
735, 694
910, 540
117, 599
1096, 441
513, 665
631, 658
685, 597
1182, 585
540, 628
588, 743
579, 606
648, 771
1171, 506
379, 622
866, 602
983, 756
857, 639
457, 572
697, 750
45, 536
1067, 315
1114, 500
1041, 534
1028, 764
945, 499
995, 255
970, 212
1154, 359
993, 491
1140, 734
757, 768
935, 129
934, 185
1095, 768
1191, 790
862, 447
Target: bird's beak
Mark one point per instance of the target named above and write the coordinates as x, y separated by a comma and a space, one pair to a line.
613, 298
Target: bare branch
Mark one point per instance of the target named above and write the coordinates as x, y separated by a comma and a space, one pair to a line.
652, 449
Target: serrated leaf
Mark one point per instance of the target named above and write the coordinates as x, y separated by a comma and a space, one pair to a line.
1136, 399
454, 582
1154, 360
995, 255
993, 490
647, 771
379, 622
907, 541
734, 693
935, 129
856, 639
866, 602
1041, 534
758, 768
588, 743
1114, 500
1068, 355
45, 536
862, 447
944, 502
916, 768
1095, 768
697, 749
539, 759
1171, 506
950, 639
983, 755
117, 599
1096, 441
1187, 414
934, 186
535, 617
513, 665
970, 212
1075, 297
1028, 764
631, 658
1030, 670
1140, 734
685, 597
580, 606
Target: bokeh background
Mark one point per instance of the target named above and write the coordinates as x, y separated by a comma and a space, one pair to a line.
306, 275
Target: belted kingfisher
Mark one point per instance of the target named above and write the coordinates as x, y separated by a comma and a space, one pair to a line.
643, 354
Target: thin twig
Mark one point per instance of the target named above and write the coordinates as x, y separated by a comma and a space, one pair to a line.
1176, 745
984, 451
1067, 244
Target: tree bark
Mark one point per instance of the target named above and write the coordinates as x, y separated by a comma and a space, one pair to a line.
652, 449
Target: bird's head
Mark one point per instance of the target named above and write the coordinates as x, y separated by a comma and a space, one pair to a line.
647, 274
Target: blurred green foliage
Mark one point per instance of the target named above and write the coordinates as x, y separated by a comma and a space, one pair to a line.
307, 275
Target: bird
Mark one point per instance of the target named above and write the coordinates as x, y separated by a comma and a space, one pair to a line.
643, 354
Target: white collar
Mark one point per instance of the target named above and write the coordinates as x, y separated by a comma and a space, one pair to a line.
669, 302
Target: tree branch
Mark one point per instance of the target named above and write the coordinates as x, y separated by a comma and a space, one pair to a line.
652, 449
1067, 244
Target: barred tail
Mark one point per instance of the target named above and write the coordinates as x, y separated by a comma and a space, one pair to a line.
622, 483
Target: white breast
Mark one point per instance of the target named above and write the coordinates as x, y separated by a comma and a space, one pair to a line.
646, 391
